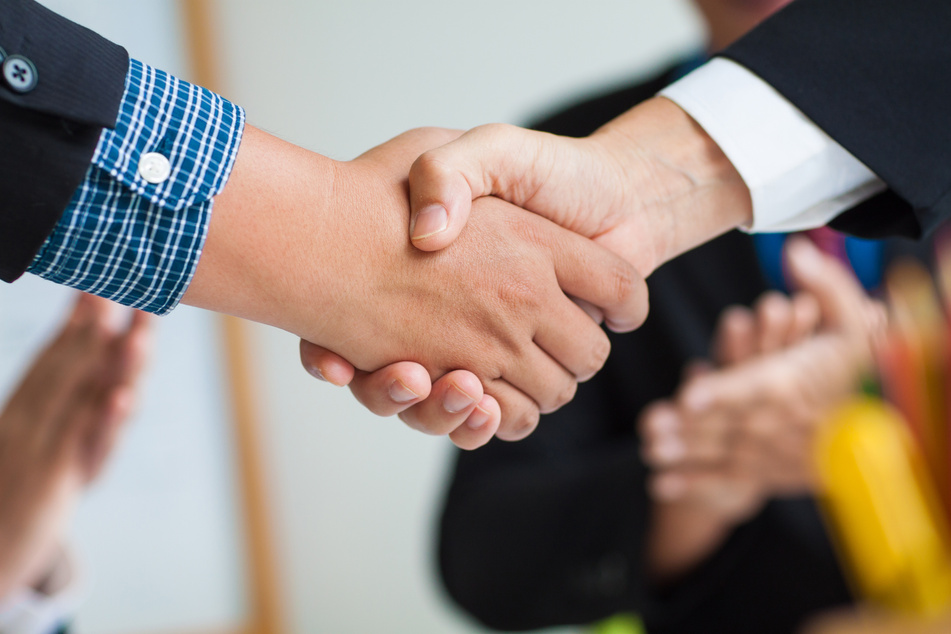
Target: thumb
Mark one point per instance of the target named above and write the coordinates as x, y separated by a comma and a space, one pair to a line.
495, 159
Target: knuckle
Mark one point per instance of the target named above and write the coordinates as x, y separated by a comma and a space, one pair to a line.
515, 292
629, 291
563, 397
429, 166
521, 425
597, 357
735, 318
647, 422
435, 134
772, 305
493, 130
624, 283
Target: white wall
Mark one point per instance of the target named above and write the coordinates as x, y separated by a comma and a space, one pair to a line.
357, 493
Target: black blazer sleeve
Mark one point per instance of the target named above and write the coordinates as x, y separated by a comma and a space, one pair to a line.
876, 76
49, 133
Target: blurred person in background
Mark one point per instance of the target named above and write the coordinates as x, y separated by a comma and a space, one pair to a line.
826, 112
669, 488
676, 490
57, 430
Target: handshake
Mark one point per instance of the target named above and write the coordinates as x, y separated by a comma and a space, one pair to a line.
460, 280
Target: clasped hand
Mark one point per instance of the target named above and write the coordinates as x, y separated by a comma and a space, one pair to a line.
647, 186
491, 314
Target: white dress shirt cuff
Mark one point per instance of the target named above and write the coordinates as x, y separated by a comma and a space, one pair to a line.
27, 611
799, 178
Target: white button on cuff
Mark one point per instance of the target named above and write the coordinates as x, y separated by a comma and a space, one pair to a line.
154, 168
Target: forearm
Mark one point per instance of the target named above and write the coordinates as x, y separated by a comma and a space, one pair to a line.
681, 536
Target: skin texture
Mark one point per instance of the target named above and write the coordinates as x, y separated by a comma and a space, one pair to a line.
319, 248
648, 186
57, 430
741, 430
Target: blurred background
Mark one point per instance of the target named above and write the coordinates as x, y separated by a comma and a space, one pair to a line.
348, 498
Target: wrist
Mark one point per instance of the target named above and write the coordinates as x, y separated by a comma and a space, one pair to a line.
681, 536
266, 256
687, 530
680, 187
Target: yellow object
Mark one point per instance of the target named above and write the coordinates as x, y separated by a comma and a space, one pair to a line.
884, 510
620, 624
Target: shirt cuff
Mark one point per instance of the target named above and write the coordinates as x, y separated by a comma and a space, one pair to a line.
799, 178
28, 611
135, 228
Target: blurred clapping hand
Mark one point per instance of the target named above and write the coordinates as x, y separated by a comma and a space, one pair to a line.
56, 432
741, 431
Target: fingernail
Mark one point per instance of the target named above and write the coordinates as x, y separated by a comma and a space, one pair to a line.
456, 400
400, 393
698, 398
669, 450
477, 419
665, 422
430, 221
668, 488
807, 256
314, 371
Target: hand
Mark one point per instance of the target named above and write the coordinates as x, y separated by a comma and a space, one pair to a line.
774, 324
57, 430
782, 378
336, 269
648, 185
740, 434
405, 388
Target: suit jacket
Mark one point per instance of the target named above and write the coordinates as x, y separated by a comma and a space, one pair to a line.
551, 530
874, 75
48, 134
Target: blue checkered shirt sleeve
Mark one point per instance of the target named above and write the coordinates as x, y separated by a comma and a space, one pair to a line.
134, 241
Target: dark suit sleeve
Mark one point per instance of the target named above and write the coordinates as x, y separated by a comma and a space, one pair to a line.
874, 75
49, 133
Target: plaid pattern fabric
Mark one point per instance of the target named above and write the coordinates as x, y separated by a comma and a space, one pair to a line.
135, 242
